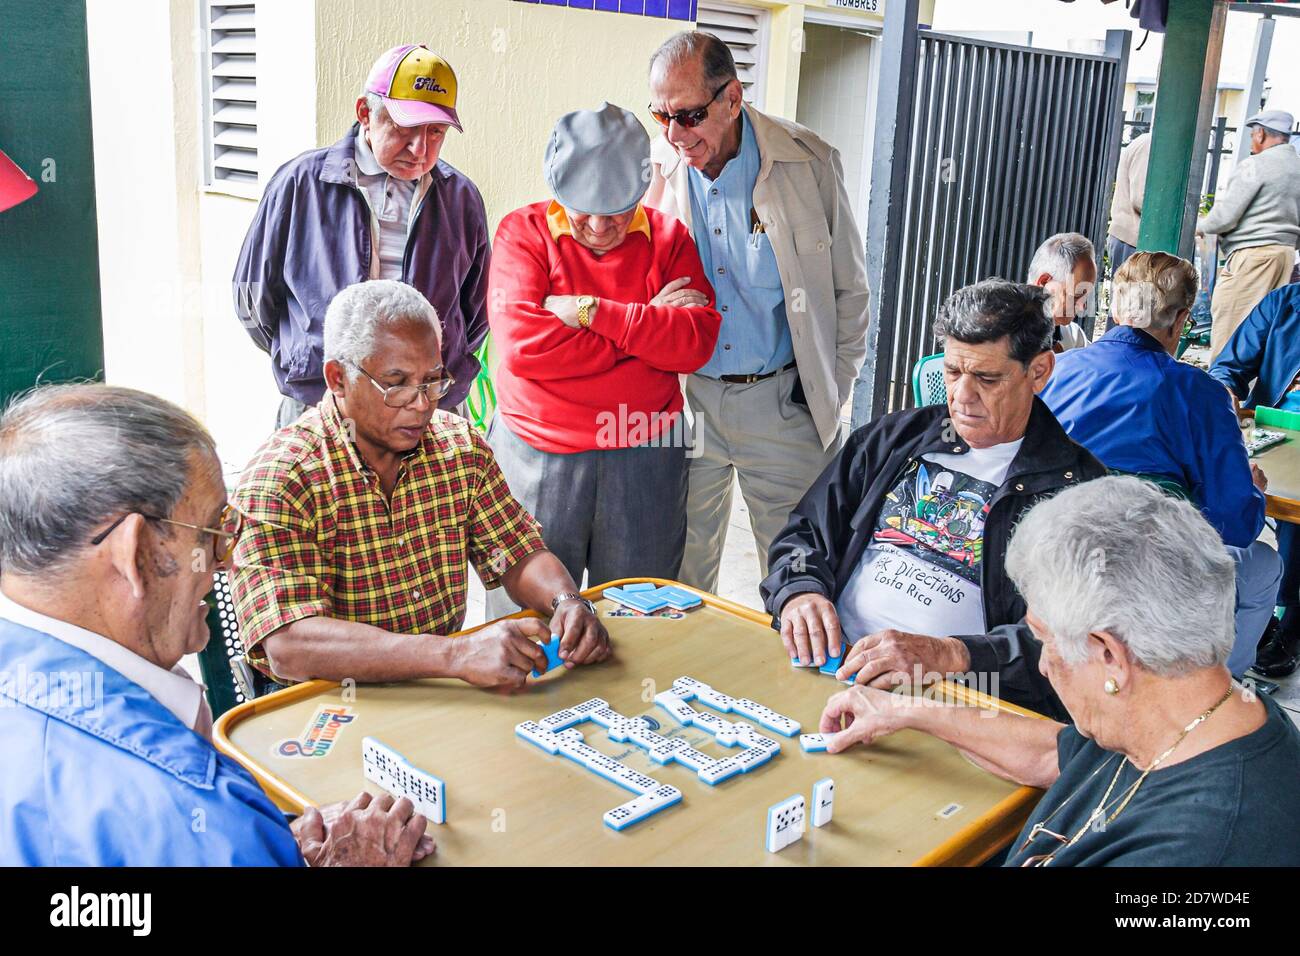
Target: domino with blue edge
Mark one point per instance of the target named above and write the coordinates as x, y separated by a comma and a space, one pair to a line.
560, 720
766, 716
823, 801
833, 663
814, 743
646, 805
720, 771
644, 601
385, 767
716, 699
539, 736
682, 712
552, 651
677, 598
785, 823
640, 586
753, 757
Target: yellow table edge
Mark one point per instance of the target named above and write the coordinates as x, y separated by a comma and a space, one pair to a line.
1005, 819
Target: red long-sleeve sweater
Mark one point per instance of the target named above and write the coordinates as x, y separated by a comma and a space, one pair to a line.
567, 390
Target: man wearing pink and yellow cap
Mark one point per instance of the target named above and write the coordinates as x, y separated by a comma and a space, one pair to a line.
378, 204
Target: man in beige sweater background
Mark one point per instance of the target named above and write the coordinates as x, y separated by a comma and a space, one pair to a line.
1257, 220
1126, 204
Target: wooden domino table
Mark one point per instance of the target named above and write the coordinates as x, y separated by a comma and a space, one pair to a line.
509, 802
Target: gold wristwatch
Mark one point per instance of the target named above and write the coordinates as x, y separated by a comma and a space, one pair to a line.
585, 303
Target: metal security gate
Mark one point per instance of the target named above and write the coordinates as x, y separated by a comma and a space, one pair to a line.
1000, 147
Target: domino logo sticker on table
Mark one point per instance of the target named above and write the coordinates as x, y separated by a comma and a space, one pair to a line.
666, 613
319, 735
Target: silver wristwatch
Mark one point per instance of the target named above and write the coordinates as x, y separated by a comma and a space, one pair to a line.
571, 596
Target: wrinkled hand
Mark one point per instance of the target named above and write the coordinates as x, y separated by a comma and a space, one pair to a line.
366, 831
1258, 477
868, 714
810, 628
890, 658
502, 654
565, 308
675, 293
583, 639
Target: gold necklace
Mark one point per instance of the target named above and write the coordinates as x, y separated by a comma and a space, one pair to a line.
1100, 809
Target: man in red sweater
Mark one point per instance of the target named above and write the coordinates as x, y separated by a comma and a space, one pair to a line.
597, 304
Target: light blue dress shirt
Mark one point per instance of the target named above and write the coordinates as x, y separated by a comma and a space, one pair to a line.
755, 336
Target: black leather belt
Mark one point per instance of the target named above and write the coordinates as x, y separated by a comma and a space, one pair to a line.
749, 379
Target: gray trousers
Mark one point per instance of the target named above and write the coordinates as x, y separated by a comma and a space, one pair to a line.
613, 513
755, 432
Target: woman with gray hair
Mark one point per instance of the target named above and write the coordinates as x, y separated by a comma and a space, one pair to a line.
1168, 761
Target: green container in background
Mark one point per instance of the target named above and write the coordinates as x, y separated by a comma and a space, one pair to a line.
1276, 418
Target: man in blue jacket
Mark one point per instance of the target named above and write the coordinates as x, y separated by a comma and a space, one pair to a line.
1265, 350
1133, 405
378, 204
113, 517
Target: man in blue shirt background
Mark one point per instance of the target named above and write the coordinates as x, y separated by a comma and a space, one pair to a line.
1265, 350
1133, 405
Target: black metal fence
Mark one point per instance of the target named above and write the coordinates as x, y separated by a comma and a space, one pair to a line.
1008, 145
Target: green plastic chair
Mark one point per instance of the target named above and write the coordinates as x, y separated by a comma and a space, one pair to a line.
928, 387
230, 679
481, 402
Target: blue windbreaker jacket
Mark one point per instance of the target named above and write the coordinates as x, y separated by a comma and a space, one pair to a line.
98, 773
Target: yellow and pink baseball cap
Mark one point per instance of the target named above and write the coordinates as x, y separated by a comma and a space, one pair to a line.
417, 86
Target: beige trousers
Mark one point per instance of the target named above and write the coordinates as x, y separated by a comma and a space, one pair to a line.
755, 432
1246, 277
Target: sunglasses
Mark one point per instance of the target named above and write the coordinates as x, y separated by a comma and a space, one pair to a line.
687, 118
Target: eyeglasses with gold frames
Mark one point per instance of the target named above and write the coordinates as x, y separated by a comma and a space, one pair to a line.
224, 538
399, 396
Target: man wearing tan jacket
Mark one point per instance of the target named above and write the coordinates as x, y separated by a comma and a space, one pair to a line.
1257, 220
1126, 205
767, 205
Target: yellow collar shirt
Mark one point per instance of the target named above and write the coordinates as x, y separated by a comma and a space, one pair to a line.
322, 540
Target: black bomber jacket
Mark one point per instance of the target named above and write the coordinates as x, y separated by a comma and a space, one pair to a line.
832, 525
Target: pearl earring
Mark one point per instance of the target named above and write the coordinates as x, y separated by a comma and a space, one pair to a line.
1111, 686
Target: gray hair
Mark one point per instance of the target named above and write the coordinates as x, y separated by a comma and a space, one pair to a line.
73, 457
361, 309
1119, 555
1058, 256
713, 55
374, 103
994, 309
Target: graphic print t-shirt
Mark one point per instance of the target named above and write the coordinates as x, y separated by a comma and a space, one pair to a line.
921, 571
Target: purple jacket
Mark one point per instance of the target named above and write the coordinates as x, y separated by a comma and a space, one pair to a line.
311, 237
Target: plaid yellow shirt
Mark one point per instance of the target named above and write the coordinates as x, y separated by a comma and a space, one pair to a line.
317, 515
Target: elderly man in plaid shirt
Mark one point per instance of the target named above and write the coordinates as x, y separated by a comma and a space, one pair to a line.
360, 518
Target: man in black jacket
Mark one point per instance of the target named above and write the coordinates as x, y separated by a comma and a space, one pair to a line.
904, 535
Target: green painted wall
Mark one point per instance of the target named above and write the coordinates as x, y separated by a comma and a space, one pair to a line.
1178, 97
49, 253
